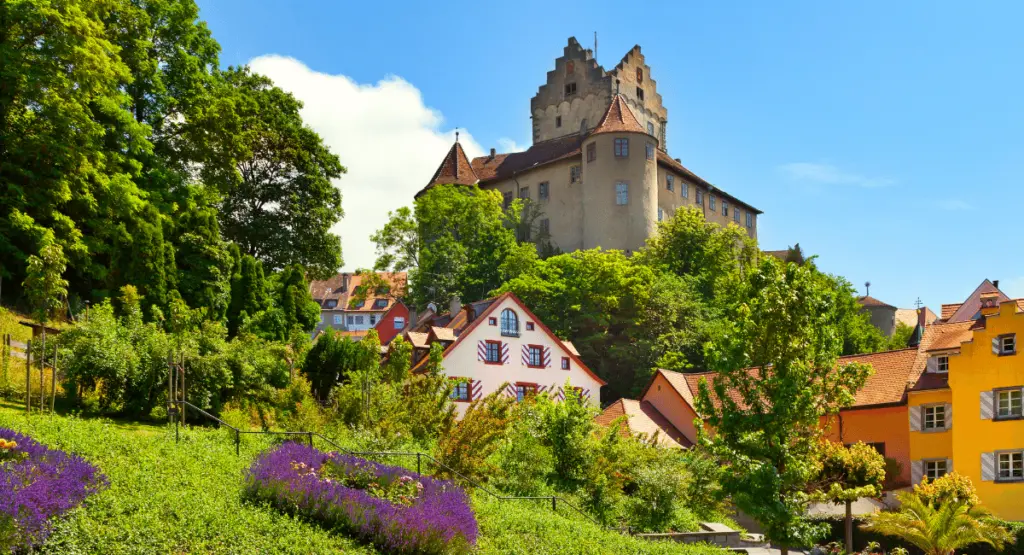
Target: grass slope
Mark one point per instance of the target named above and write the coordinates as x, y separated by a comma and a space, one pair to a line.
187, 498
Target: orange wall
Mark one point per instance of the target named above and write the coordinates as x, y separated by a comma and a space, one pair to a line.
889, 425
664, 397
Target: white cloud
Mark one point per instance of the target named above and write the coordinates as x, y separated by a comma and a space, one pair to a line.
955, 205
827, 174
387, 138
506, 144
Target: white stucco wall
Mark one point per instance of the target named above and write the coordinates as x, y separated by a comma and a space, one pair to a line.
462, 360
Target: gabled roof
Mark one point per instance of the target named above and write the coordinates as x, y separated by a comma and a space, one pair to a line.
618, 118
972, 305
455, 169
948, 310
868, 301
947, 336
643, 418
503, 166
462, 326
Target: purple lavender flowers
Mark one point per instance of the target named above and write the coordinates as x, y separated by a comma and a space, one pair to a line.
297, 478
37, 484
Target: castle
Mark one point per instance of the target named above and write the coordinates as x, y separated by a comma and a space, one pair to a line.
598, 173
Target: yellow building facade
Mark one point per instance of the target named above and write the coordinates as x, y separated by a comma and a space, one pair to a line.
965, 409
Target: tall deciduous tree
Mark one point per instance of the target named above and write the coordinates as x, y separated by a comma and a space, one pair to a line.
454, 244
45, 284
777, 377
274, 174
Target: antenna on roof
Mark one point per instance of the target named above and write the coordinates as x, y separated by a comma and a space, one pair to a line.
918, 303
456, 134
867, 288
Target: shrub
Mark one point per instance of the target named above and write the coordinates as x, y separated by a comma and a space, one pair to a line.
474, 438
523, 461
325, 487
36, 485
950, 487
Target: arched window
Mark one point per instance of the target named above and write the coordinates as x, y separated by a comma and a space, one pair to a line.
509, 323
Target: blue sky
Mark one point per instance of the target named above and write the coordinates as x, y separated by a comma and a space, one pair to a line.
887, 138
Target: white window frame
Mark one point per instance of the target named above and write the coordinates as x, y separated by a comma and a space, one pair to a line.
351, 320
935, 469
399, 322
932, 416
1014, 400
359, 320
650, 150
544, 190
575, 174
337, 319
1008, 344
650, 128
1014, 466
621, 193
684, 189
620, 147
942, 364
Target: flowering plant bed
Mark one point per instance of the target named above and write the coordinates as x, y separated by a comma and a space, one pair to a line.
36, 484
397, 510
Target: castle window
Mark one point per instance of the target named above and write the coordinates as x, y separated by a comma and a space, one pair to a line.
670, 182
545, 227
711, 202
661, 214
570, 89
736, 215
640, 94
570, 67
684, 189
583, 126
621, 194
524, 193
650, 129
700, 197
750, 220
542, 190
621, 148
591, 152
575, 173
725, 208
558, 121
650, 151
507, 199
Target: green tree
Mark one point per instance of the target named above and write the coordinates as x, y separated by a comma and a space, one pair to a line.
776, 378
248, 292
453, 244
939, 529
901, 336
475, 437
204, 261
274, 174
45, 285
846, 475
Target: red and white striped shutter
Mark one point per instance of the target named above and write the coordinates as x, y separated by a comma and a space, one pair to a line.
547, 357
481, 350
504, 353
526, 355
510, 390
561, 393
475, 390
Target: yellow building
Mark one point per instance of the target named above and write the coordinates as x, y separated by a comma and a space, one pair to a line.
973, 371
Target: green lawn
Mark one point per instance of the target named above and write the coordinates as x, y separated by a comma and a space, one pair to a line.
187, 498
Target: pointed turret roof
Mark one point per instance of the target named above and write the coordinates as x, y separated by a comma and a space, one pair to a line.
455, 169
618, 119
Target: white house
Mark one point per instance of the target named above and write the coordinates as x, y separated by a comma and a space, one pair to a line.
499, 341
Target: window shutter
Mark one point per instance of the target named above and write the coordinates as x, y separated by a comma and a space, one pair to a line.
916, 471
995, 345
547, 357
526, 355
988, 467
949, 466
932, 365
949, 416
504, 353
481, 350
987, 406
915, 419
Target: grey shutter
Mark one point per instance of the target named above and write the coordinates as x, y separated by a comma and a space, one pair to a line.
987, 406
988, 467
916, 471
932, 365
949, 466
996, 344
949, 416
915, 419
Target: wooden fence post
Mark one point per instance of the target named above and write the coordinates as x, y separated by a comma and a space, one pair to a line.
28, 378
5, 360
53, 384
42, 375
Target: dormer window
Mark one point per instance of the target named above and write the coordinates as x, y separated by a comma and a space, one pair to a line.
380, 303
332, 303
570, 89
942, 364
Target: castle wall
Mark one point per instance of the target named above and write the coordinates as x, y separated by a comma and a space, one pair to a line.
609, 225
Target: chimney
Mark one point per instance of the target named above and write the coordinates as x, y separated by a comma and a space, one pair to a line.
995, 283
679, 161
492, 154
455, 306
989, 303
412, 319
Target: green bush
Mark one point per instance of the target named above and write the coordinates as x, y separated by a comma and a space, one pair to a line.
862, 537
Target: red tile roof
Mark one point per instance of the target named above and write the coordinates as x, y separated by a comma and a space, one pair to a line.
642, 418
455, 169
948, 310
945, 336
669, 162
618, 118
340, 289
871, 301
504, 166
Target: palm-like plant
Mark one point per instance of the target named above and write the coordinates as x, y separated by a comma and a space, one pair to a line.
940, 529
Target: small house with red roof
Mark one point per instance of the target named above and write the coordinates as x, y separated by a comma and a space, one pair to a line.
498, 344
346, 307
